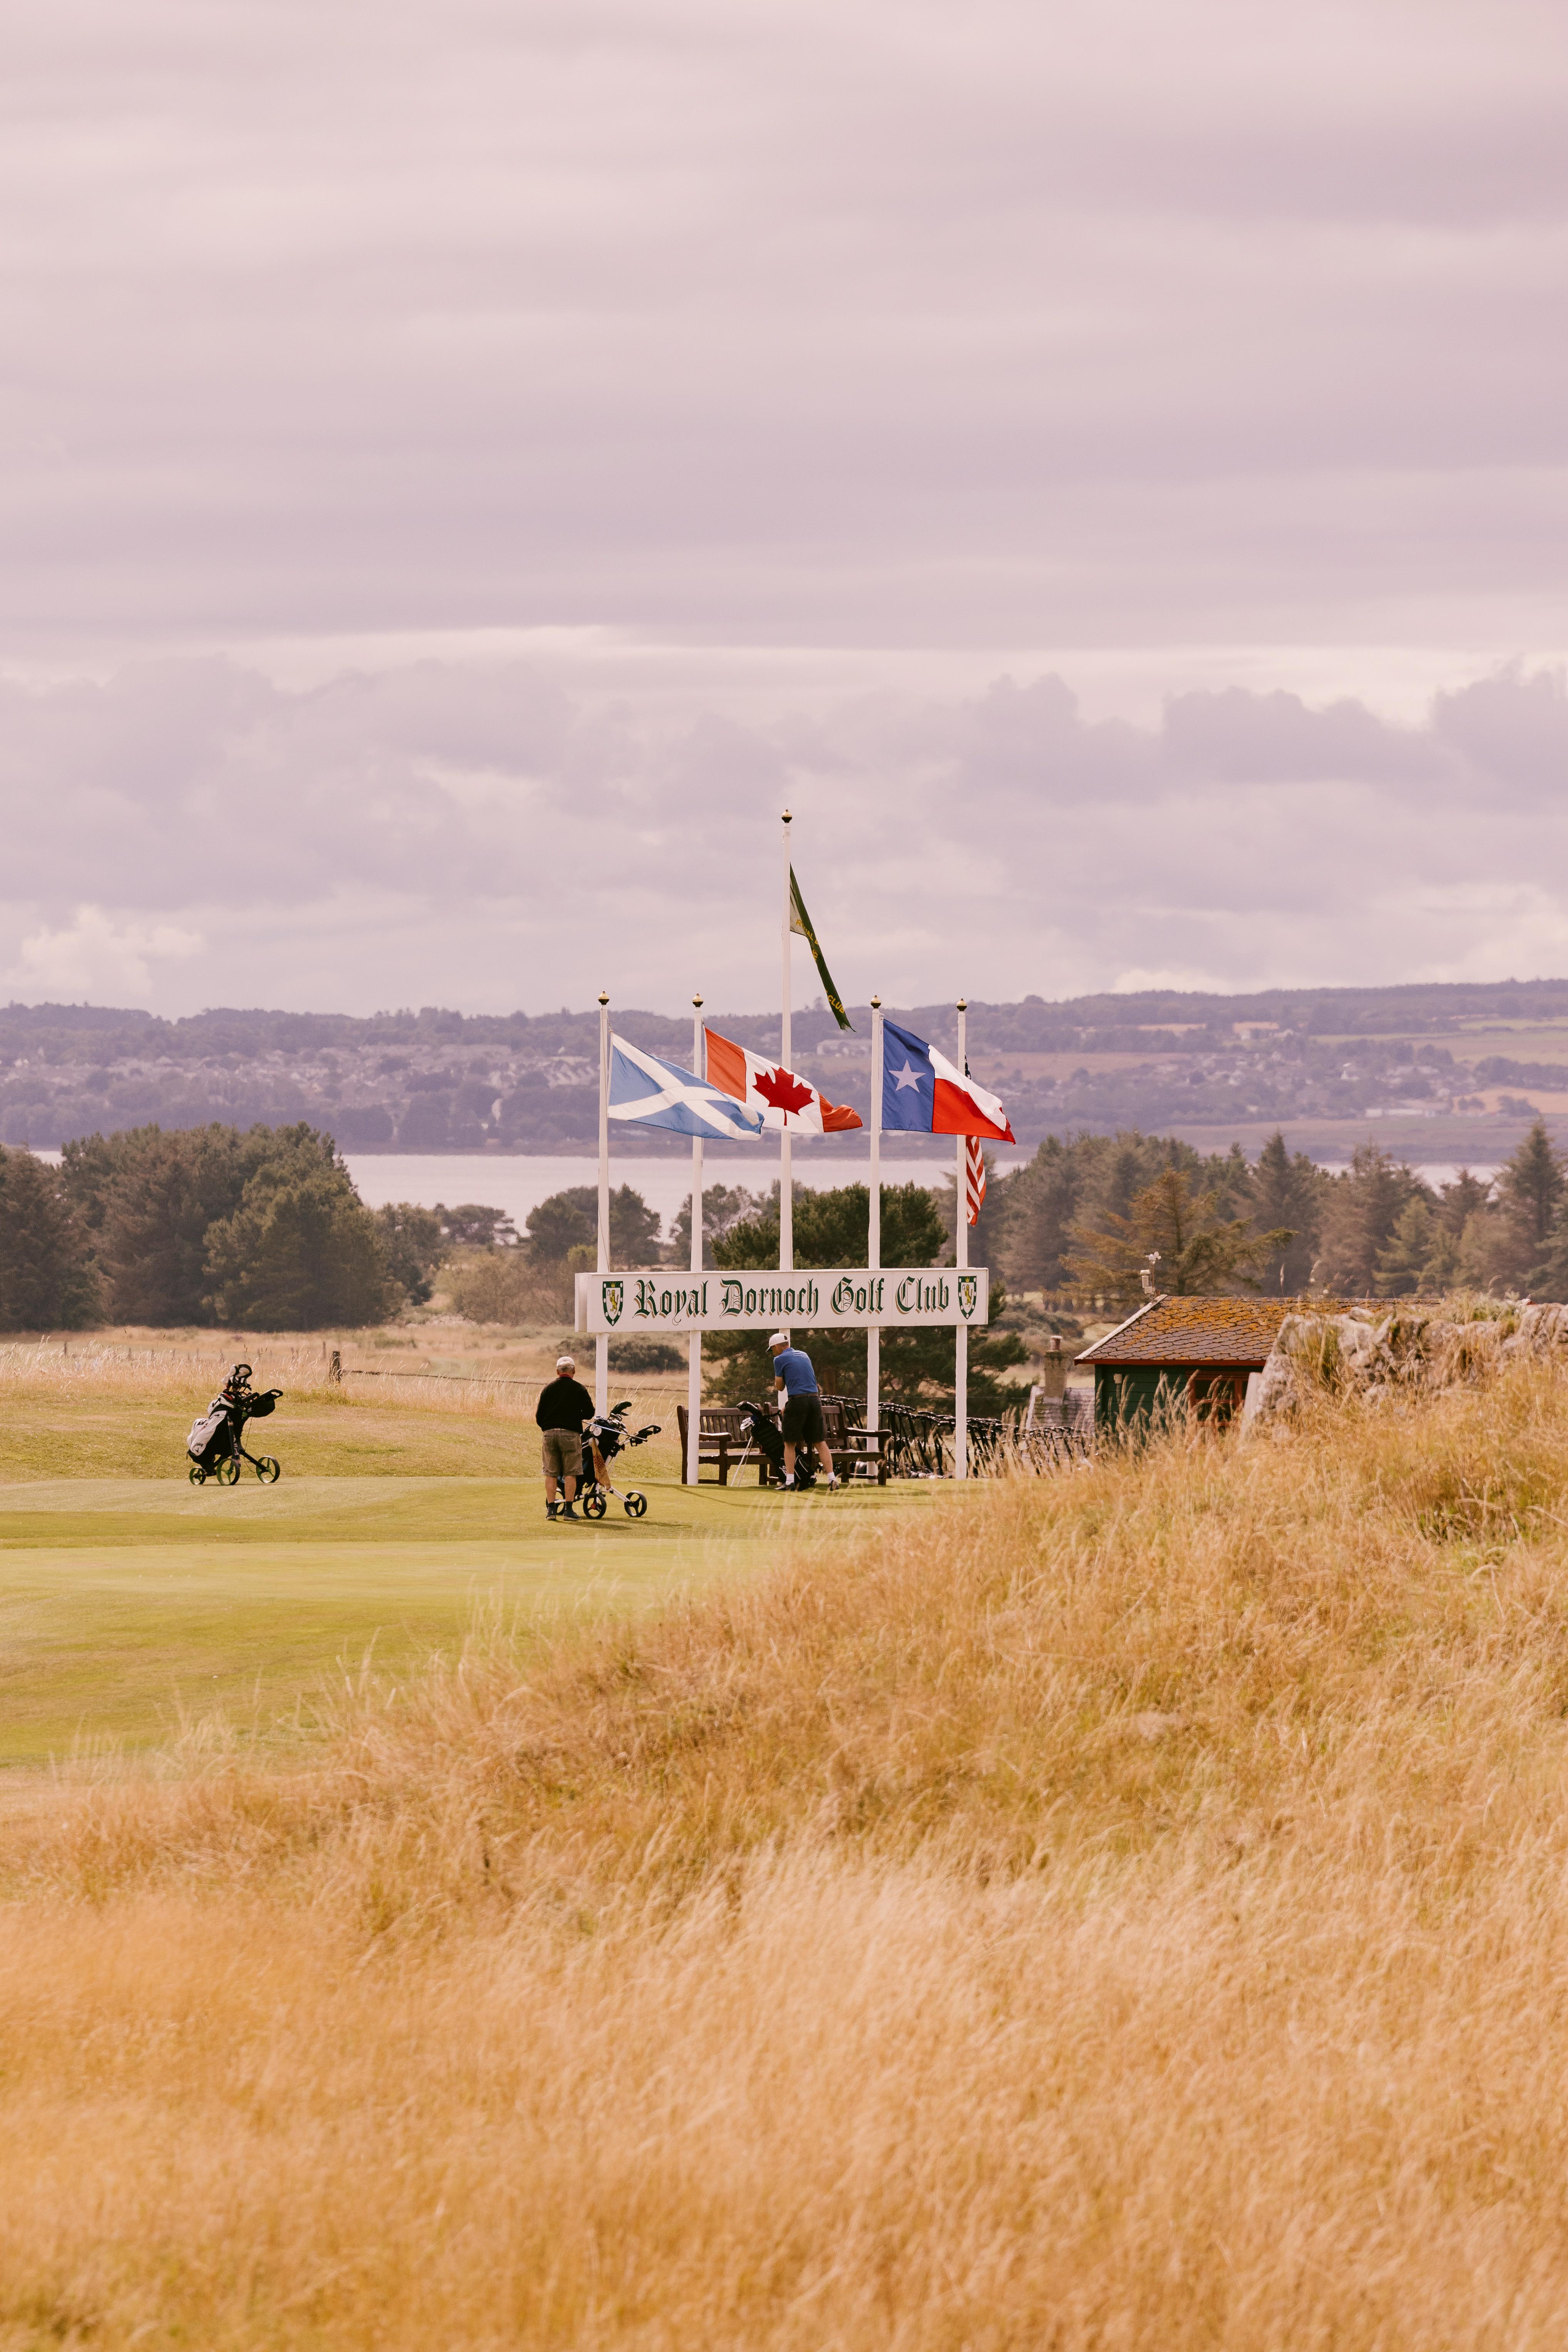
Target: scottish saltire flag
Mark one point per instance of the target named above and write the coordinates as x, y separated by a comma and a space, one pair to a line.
779, 1098
922, 1092
651, 1093
973, 1178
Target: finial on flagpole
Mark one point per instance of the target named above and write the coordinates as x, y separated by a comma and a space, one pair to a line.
603, 997
697, 1001
876, 1005
963, 1004
787, 818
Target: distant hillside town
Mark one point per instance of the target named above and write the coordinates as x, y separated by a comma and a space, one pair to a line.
1439, 1071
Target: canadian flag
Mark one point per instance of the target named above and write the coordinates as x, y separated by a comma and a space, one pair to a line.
767, 1087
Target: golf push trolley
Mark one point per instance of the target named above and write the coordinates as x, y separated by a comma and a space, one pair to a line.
215, 1444
608, 1431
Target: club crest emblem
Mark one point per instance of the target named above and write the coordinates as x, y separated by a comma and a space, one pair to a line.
614, 1295
968, 1293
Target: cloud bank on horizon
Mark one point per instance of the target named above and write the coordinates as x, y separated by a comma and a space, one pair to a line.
464, 469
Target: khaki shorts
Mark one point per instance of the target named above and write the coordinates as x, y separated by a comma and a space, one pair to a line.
562, 1453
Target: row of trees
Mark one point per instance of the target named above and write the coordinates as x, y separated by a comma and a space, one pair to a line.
212, 1224
263, 1227
1086, 1214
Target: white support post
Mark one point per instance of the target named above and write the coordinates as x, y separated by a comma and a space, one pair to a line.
961, 1335
786, 1180
874, 1220
694, 1344
602, 1344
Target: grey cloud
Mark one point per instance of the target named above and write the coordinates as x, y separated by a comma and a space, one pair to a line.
893, 325
1226, 344
495, 827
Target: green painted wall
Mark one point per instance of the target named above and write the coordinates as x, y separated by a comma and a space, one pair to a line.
1138, 1394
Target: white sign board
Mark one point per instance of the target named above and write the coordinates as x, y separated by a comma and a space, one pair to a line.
894, 1298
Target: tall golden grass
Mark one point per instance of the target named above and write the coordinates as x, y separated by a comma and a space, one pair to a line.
1122, 1909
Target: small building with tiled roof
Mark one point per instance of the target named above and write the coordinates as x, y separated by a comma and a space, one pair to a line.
1193, 1352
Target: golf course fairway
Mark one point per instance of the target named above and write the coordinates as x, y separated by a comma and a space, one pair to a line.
132, 1602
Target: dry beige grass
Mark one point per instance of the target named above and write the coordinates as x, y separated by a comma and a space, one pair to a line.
152, 1364
1123, 1910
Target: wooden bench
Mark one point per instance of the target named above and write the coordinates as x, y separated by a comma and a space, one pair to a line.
719, 1441
855, 1450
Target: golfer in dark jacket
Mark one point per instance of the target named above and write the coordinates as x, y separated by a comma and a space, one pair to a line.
564, 1406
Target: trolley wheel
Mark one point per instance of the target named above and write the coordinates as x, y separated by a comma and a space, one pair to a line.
199, 1476
228, 1472
636, 1506
594, 1506
267, 1470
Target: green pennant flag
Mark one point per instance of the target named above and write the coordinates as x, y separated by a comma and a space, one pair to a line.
800, 921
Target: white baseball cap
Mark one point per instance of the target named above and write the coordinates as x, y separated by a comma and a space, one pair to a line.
779, 1339
565, 1364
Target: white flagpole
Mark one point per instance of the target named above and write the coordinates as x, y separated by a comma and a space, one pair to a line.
602, 1344
787, 1182
874, 1220
694, 1344
961, 1335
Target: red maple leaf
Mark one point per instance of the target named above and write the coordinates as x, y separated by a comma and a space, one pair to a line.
782, 1090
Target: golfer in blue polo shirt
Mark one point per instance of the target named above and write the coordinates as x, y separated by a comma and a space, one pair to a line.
797, 1382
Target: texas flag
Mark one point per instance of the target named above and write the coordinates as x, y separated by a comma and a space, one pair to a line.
781, 1098
923, 1092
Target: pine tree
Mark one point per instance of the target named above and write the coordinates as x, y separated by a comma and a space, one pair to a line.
413, 1247
302, 1252
1458, 1201
1197, 1249
1043, 1200
153, 1198
1530, 1194
47, 1282
724, 1205
570, 1219
1360, 1212
1404, 1263
1286, 1192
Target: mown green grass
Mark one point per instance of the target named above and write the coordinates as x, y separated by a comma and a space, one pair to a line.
130, 1601
54, 1434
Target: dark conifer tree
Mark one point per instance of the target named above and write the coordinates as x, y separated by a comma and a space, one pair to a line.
47, 1280
1531, 1192
1286, 1192
1360, 1213
302, 1251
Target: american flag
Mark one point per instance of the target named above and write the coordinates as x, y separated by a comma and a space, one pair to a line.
973, 1177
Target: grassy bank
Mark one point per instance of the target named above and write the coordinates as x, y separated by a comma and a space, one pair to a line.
1126, 1909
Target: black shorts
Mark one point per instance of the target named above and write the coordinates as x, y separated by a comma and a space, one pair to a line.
802, 1420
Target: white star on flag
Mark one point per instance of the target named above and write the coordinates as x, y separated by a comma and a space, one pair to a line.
905, 1078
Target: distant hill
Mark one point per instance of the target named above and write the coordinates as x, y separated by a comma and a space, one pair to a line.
1435, 1070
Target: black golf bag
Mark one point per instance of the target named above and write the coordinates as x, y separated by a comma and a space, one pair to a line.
763, 1430
215, 1445
609, 1432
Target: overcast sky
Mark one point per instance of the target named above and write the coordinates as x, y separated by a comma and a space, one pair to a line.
465, 467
